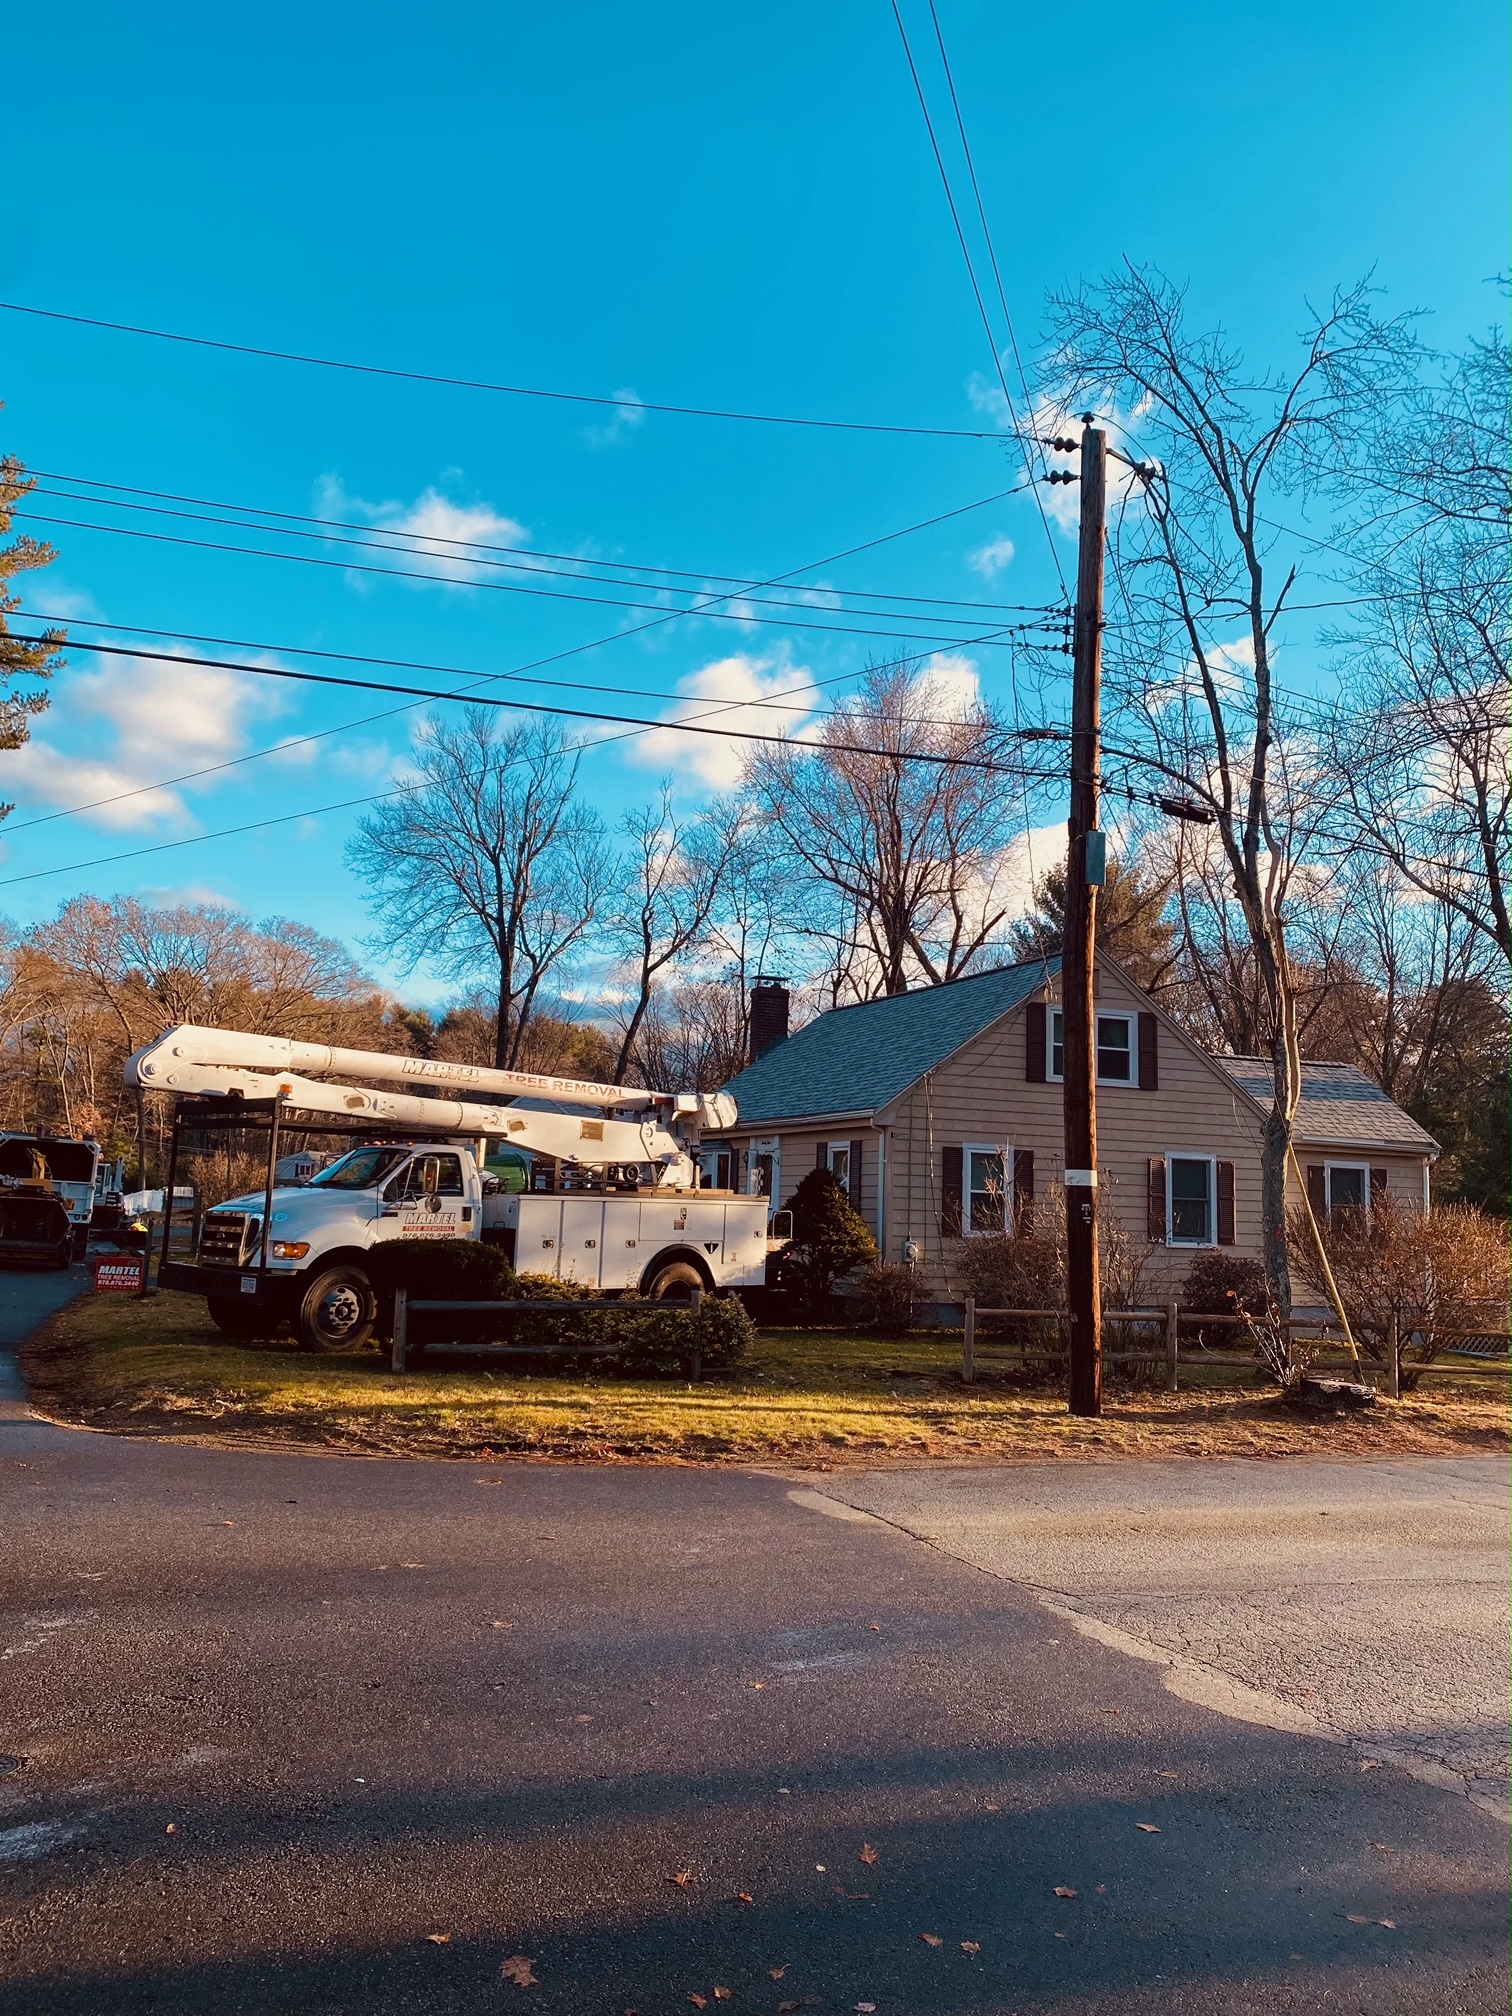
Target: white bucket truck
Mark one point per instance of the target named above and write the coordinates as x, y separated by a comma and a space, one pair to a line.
614, 1203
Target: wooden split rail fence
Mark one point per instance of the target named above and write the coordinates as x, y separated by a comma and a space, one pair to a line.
1172, 1319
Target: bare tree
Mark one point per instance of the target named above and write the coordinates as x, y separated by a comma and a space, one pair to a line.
487, 855
1191, 690
669, 877
900, 861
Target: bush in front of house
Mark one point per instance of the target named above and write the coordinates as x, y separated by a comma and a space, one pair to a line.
889, 1298
830, 1237
1222, 1284
1440, 1270
1007, 1273
444, 1270
659, 1337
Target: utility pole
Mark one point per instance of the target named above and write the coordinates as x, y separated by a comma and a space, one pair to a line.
1085, 873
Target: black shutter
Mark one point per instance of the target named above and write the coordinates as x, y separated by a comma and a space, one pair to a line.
855, 1173
1317, 1190
1155, 1211
952, 1171
1023, 1192
1225, 1204
1034, 1043
821, 1155
1377, 1186
1149, 1053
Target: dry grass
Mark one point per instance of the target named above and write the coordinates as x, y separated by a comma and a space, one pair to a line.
806, 1399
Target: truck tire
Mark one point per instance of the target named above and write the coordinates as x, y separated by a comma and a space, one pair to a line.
336, 1311
239, 1319
673, 1281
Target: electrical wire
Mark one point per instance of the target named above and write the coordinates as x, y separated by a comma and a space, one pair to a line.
619, 405
428, 543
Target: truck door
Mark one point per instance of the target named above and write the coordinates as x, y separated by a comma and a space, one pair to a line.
426, 1200
581, 1257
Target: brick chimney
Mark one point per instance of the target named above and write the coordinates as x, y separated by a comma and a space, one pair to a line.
769, 1013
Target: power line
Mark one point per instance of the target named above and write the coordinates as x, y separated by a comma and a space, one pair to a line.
352, 566
426, 543
637, 723
619, 405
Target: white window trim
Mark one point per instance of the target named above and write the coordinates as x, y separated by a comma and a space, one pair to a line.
831, 1148
1329, 1168
1128, 1015
1192, 1155
968, 1149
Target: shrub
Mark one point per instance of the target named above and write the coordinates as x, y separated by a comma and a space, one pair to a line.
1223, 1284
1446, 1269
444, 1269
1006, 1273
830, 1236
661, 1341
889, 1297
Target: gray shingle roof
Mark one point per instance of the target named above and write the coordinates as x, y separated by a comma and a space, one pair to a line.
1339, 1104
854, 1060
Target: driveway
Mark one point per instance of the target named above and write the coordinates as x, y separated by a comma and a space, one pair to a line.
354, 1735
1365, 1602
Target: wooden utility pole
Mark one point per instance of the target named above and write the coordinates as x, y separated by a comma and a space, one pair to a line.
1084, 874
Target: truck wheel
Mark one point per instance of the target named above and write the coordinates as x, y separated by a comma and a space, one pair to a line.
674, 1282
336, 1311
239, 1319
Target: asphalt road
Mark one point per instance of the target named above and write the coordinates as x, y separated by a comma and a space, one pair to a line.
309, 1733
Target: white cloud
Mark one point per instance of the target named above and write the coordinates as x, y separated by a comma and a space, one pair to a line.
721, 693
197, 893
990, 560
629, 414
442, 531
143, 719
1047, 422
950, 686
56, 602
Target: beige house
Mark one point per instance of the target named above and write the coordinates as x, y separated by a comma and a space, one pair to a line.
940, 1110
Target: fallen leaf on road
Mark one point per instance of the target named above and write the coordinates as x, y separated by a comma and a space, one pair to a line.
1146, 1827
582, 1718
971, 1946
411, 1564
1102, 1889
1062, 1935
1389, 1923
1112, 1711
681, 1877
1371, 1764
724, 1994
1375, 1844
438, 1938
866, 2008
1356, 1917
500, 1625
870, 1627
931, 1939
744, 1897
1167, 1774
228, 1522
171, 1828
1064, 1890
519, 1970
993, 1809
699, 2001
786, 2008
868, 1854
777, 1972
822, 1867
758, 1686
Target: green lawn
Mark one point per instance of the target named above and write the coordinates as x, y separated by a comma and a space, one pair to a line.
805, 1398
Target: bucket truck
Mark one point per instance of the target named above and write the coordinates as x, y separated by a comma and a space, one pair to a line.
614, 1201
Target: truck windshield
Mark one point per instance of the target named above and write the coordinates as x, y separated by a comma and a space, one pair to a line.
361, 1170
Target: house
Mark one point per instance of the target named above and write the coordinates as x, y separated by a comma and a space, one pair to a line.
940, 1111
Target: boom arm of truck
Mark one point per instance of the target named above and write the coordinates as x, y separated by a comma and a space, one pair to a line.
626, 1124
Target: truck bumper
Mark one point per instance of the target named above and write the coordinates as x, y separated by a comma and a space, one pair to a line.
226, 1284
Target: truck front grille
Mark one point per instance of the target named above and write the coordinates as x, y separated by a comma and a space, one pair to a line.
228, 1238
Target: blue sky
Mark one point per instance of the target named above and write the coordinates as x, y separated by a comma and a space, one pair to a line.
726, 207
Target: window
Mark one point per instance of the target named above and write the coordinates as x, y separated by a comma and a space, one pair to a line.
1191, 1200
986, 1185
363, 1169
839, 1164
1348, 1186
1117, 1048
426, 1176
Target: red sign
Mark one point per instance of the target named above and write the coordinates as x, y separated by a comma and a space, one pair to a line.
122, 1276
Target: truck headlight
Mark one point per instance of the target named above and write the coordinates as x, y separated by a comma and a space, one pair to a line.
290, 1249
